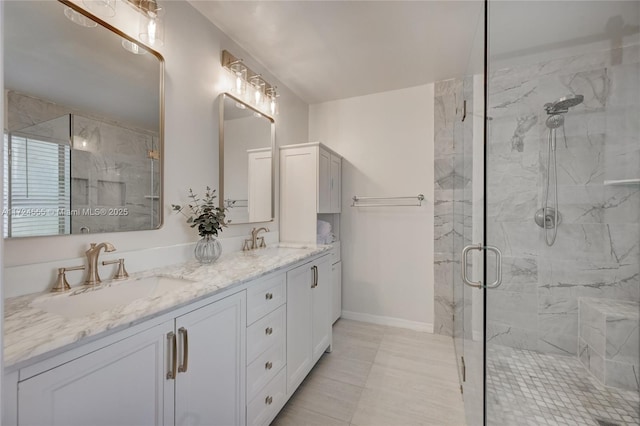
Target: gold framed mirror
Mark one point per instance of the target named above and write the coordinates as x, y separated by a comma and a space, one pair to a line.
84, 130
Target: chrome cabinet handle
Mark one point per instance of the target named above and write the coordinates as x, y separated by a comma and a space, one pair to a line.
185, 350
498, 253
173, 359
268, 400
268, 365
268, 331
268, 296
465, 254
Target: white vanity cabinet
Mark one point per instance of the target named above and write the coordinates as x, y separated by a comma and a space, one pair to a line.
308, 318
186, 371
122, 384
310, 182
232, 359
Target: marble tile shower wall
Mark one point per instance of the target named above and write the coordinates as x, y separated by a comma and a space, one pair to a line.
596, 253
104, 173
451, 212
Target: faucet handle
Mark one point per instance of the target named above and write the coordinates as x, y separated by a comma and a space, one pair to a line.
121, 273
262, 243
61, 283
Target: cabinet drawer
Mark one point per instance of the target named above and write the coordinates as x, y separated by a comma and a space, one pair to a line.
263, 298
264, 407
265, 333
264, 368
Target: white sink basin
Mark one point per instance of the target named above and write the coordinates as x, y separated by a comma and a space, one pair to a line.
83, 302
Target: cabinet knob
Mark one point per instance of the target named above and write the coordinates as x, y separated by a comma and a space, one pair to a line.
268, 331
268, 365
268, 296
268, 400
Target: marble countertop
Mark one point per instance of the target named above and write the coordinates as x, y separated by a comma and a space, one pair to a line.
30, 332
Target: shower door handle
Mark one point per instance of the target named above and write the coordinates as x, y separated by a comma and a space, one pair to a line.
498, 253
465, 254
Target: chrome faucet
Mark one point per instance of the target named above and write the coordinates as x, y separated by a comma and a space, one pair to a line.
254, 239
92, 260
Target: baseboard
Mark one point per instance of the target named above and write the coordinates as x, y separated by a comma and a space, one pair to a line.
389, 321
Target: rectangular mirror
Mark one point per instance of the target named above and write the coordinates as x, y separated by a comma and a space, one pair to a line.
84, 124
247, 143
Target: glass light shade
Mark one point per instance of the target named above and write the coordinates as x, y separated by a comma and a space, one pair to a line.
239, 72
272, 100
258, 91
105, 8
133, 47
152, 30
79, 18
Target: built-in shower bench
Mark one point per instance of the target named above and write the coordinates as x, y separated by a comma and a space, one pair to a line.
609, 341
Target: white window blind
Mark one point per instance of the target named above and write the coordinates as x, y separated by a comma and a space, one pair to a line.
37, 190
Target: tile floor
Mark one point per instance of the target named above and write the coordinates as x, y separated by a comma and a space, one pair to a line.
379, 376
530, 388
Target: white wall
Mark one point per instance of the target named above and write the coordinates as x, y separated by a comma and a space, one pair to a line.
193, 80
386, 140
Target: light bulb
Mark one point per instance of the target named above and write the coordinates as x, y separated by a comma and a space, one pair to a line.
151, 29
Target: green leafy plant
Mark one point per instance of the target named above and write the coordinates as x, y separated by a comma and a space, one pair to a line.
203, 213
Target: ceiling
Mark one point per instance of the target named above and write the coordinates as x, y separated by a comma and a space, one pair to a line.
326, 50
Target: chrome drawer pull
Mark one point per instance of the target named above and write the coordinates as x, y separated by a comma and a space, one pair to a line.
268, 331
268, 400
268, 296
268, 365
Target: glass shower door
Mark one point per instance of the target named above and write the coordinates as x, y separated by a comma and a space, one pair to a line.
562, 341
468, 228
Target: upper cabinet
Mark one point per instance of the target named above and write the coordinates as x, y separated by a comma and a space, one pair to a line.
310, 182
329, 166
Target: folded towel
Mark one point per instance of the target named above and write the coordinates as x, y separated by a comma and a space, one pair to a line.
323, 228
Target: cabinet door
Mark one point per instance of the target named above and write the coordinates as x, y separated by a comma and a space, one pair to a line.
210, 383
298, 199
299, 314
122, 384
336, 183
324, 182
336, 295
321, 295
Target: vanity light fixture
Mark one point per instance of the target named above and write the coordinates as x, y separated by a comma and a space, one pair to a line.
150, 23
249, 85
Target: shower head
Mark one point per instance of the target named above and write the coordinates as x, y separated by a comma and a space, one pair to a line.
563, 104
554, 121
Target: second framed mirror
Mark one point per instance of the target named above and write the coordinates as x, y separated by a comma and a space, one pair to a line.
247, 144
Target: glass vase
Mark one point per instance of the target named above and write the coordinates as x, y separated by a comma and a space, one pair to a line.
208, 249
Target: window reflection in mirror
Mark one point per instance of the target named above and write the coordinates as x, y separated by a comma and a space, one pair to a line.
83, 136
246, 172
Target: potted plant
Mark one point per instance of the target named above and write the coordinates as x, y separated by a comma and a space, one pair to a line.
209, 219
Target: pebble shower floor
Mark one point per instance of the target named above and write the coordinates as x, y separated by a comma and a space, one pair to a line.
529, 388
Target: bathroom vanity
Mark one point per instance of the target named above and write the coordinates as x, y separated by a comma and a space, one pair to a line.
223, 344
